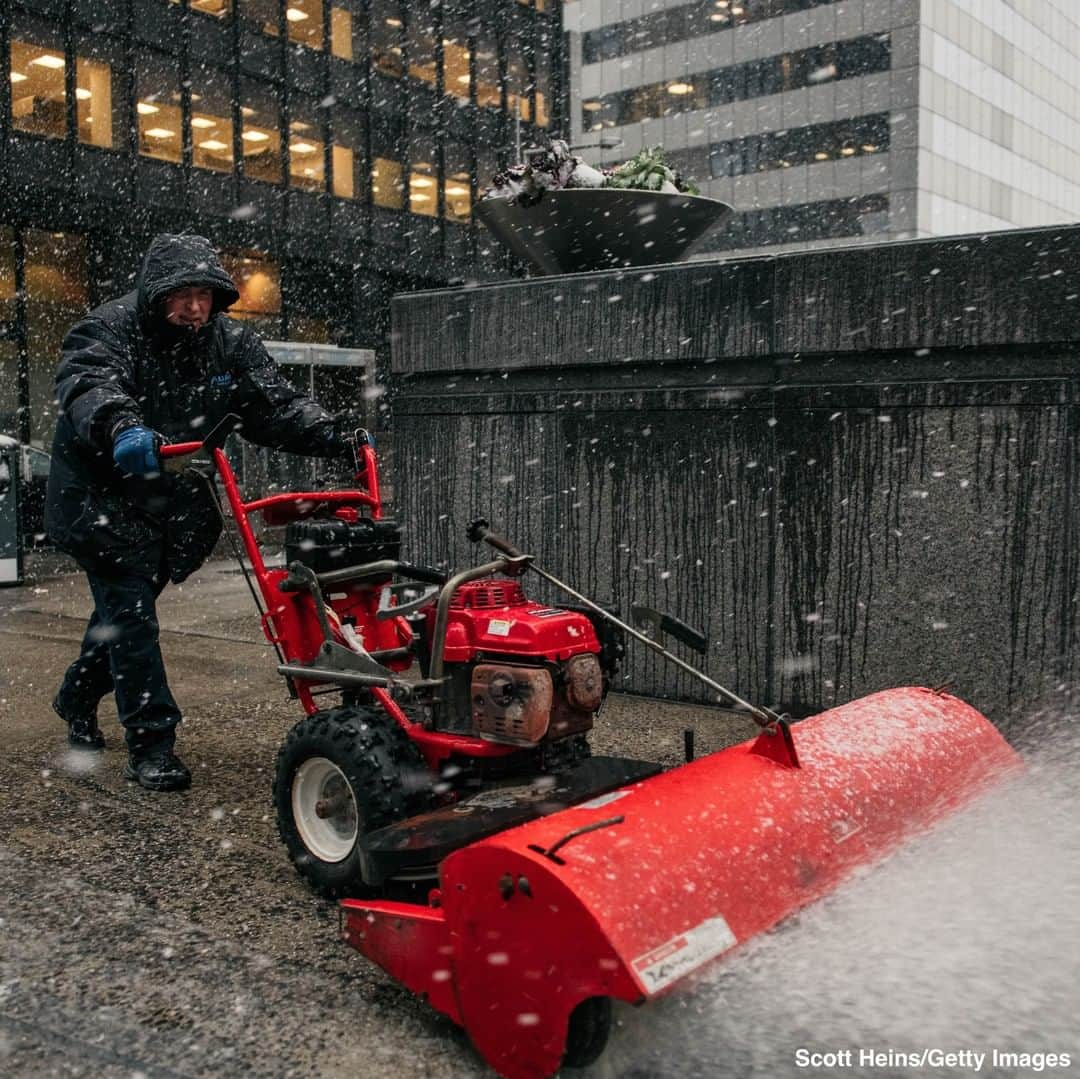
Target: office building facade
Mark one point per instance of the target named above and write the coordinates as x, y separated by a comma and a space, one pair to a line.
831, 121
333, 149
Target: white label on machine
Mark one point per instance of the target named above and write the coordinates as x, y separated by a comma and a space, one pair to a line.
498, 627
9, 570
669, 962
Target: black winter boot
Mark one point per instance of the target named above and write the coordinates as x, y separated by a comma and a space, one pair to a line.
158, 769
83, 730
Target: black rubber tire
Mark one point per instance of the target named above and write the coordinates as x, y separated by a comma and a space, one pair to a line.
385, 771
588, 1032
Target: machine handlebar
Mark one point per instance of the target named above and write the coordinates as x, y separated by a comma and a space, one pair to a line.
479, 530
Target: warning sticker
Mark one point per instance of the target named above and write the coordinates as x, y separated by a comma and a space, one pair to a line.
545, 612
499, 627
669, 962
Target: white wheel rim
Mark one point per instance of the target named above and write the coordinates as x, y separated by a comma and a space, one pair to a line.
331, 837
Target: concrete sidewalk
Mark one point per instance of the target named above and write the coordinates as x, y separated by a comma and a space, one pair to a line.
168, 934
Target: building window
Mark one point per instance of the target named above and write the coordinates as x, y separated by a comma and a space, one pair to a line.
157, 106
262, 14
260, 131
218, 9
488, 92
457, 192
831, 219
307, 146
456, 59
386, 183
387, 23
348, 153
258, 280
857, 137
99, 100
421, 38
57, 296
770, 75
680, 23
341, 33
519, 85
211, 120
423, 176
37, 89
304, 20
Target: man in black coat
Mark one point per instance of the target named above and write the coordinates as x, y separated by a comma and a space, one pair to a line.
161, 364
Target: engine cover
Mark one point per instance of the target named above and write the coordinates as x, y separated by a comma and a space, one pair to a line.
511, 703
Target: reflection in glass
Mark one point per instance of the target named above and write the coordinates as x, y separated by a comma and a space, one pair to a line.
260, 123
262, 13
37, 89
518, 85
422, 48
385, 29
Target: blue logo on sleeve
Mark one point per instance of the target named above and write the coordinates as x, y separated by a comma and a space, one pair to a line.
225, 379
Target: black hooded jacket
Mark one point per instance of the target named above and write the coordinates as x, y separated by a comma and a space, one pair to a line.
124, 364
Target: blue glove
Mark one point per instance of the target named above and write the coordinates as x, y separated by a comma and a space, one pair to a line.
135, 452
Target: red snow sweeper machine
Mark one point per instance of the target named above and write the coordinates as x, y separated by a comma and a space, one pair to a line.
482, 855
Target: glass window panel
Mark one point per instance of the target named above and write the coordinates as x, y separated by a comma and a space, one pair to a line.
518, 84
348, 153
37, 89
456, 57
488, 93
307, 145
157, 106
262, 14
211, 120
7, 273
258, 280
543, 82
422, 45
341, 33
218, 9
423, 186
457, 193
387, 21
9, 388
260, 131
304, 19
57, 295
386, 183
99, 96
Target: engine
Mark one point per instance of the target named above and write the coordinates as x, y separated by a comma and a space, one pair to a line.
521, 672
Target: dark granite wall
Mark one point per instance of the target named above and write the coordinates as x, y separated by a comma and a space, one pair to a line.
852, 469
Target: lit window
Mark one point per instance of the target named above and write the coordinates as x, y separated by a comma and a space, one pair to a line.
211, 121
304, 19
386, 183
94, 102
341, 33
37, 90
259, 133
157, 96
307, 150
258, 280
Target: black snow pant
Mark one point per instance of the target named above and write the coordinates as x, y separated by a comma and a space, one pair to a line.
120, 653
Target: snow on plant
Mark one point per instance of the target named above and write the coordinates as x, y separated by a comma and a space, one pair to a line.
555, 168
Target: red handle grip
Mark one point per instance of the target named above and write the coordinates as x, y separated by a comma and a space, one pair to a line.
179, 449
